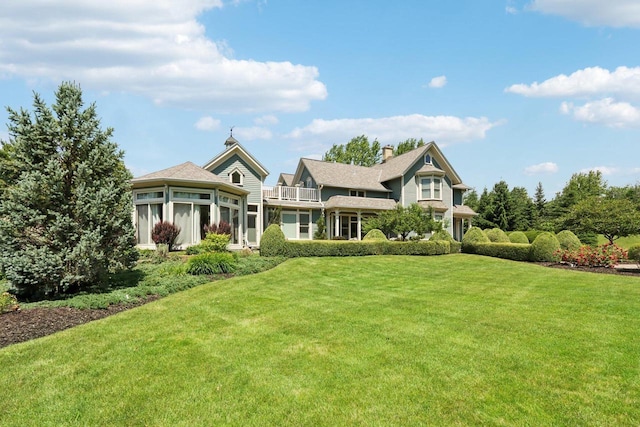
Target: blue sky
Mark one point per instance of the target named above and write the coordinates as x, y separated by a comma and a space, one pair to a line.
526, 91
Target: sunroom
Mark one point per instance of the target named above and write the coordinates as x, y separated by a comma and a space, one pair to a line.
191, 198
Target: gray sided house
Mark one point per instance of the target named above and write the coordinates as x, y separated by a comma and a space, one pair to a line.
346, 194
230, 187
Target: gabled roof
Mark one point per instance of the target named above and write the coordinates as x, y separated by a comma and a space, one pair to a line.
341, 175
186, 173
397, 166
286, 179
236, 148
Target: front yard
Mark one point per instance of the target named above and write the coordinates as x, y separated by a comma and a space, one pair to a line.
443, 340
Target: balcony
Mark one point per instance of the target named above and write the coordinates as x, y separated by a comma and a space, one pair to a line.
295, 194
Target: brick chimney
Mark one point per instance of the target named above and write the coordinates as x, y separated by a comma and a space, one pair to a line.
387, 153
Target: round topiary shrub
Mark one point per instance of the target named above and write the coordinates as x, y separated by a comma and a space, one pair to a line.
532, 234
472, 237
496, 235
375, 234
441, 235
634, 253
518, 237
273, 241
568, 240
475, 235
545, 248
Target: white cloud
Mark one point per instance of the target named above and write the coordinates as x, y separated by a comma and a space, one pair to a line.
252, 133
207, 123
266, 120
614, 13
605, 111
154, 48
623, 81
438, 82
541, 168
605, 170
445, 130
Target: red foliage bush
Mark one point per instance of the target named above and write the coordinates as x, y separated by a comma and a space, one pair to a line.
165, 233
221, 228
607, 255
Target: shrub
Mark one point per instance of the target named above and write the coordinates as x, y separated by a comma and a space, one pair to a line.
273, 242
309, 248
568, 240
496, 235
634, 253
518, 237
588, 238
442, 235
545, 248
374, 234
512, 251
223, 227
471, 237
607, 255
8, 302
211, 263
320, 233
532, 234
165, 233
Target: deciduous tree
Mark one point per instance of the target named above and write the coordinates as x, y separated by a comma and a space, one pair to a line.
613, 218
358, 151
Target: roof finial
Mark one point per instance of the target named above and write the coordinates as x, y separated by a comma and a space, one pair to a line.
231, 131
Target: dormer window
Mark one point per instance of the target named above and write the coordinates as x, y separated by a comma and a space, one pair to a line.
236, 177
309, 182
427, 159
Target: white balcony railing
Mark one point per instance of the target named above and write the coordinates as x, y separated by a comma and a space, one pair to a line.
297, 194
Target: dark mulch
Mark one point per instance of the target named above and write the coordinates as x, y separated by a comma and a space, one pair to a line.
25, 325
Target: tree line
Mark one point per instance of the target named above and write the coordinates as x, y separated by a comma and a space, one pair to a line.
586, 205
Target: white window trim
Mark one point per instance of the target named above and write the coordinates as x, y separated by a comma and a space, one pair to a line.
239, 172
297, 214
419, 178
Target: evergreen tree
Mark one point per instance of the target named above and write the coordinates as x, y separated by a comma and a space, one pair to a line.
358, 151
521, 210
500, 205
66, 219
540, 205
484, 210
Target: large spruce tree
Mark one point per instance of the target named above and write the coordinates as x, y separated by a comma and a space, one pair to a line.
65, 218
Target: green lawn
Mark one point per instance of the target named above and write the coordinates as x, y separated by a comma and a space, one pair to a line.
625, 242
448, 340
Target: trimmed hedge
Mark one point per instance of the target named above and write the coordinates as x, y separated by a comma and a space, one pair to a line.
443, 235
568, 240
496, 235
634, 253
545, 248
473, 236
518, 237
319, 248
532, 234
512, 251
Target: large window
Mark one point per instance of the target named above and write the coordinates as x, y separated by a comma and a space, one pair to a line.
149, 212
430, 188
191, 212
297, 225
230, 212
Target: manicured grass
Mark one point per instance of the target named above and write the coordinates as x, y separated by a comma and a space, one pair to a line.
447, 340
624, 242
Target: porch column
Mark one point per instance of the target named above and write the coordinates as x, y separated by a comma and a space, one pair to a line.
359, 226
337, 223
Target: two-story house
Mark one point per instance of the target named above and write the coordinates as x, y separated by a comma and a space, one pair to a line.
348, 194
230, 187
